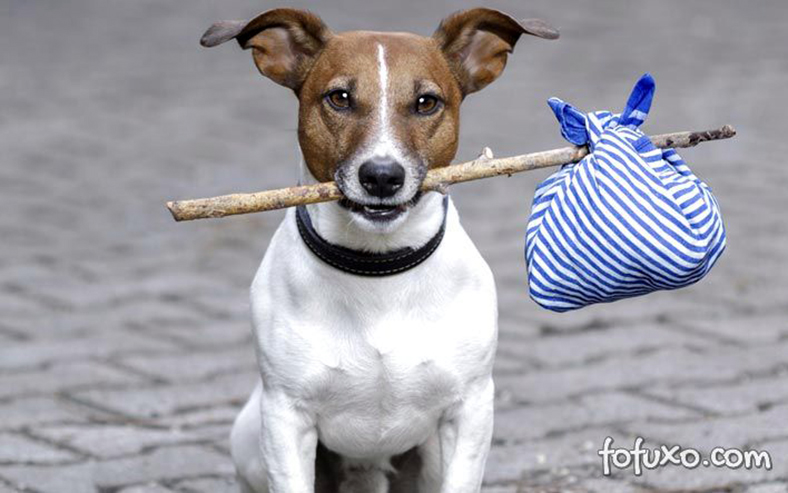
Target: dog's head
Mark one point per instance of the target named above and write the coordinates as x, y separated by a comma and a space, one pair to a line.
377, 110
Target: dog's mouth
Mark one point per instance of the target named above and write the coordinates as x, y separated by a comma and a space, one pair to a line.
379, 212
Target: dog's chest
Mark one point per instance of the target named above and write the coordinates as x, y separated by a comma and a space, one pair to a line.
384, 388
380, 371
378, 361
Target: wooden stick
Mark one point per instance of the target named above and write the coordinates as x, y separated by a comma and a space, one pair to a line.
437, 179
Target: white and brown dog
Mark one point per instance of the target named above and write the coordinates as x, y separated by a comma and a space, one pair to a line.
375, 318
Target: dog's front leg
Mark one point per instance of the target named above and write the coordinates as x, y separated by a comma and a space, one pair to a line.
465, 435
289, 443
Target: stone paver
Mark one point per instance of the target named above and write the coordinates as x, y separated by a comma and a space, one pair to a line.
109, 441
160, 400
21, 449
768, 488
125, 348
62, 377
34, 411
746, 396
146, 488
207, 485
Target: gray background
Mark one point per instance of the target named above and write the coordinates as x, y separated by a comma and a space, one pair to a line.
124, 337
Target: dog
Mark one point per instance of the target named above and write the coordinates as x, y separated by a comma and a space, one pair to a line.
375, 317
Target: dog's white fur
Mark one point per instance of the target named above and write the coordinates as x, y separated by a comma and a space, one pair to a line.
371, 367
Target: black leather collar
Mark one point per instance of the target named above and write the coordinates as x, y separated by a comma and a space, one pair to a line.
364, 263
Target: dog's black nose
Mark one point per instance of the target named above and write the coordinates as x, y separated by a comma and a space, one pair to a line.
381, 178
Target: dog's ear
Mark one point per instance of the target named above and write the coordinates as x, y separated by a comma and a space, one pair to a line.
476, 43
284, 42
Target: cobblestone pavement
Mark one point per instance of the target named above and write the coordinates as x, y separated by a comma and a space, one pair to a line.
124, 337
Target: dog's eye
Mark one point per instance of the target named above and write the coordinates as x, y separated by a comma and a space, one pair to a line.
339, 99
427, 104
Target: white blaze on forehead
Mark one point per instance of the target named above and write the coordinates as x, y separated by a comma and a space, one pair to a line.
383, 142
383, 73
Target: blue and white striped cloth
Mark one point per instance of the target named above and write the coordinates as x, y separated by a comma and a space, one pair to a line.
627, 220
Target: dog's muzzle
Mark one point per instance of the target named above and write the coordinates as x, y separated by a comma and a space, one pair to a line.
380, 189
